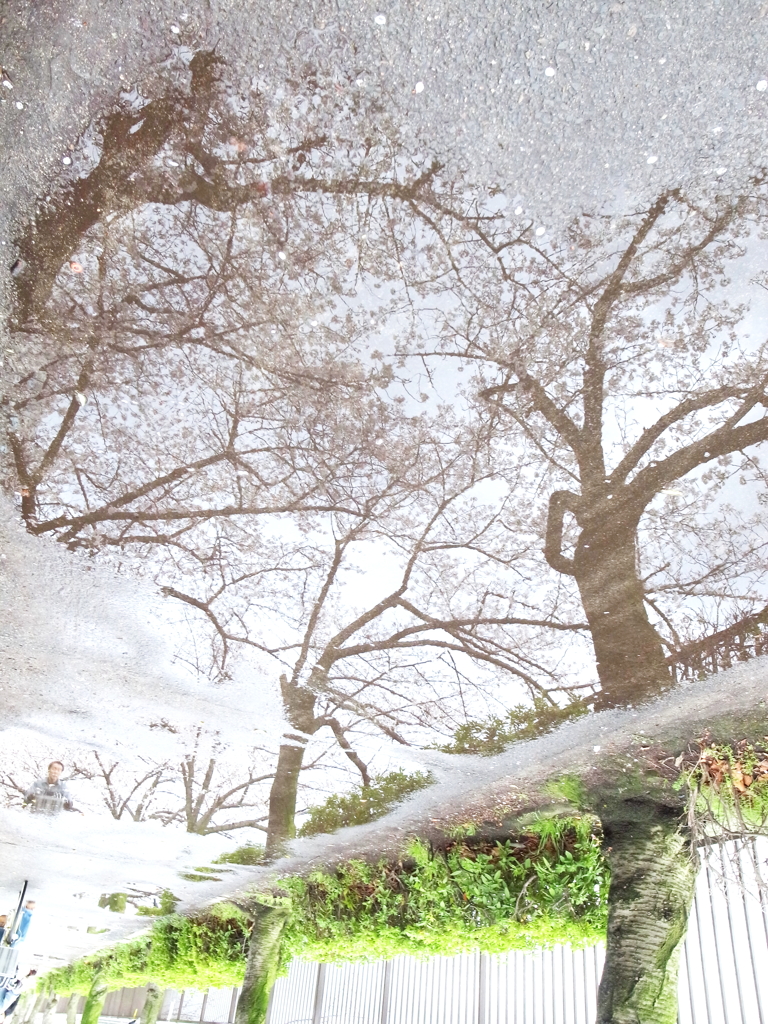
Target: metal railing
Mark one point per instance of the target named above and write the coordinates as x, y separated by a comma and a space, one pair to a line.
745, 639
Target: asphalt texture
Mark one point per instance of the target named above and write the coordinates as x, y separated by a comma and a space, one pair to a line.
566, 104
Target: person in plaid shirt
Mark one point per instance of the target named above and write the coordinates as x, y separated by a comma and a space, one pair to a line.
49, 796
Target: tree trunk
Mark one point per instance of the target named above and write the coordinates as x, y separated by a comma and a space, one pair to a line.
111, 186
262, 964
29, 506
630, 658
299, 704
652, 880
50, 1007
282, 799
72, 1004
94, 1001
35, 1005
152, 1004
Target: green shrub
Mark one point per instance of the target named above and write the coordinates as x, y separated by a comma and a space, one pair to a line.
488, 736
364, 804
248, 854
178, 953
547, 887
116, 901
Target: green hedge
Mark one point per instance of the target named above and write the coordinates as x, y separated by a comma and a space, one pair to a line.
544, 887
489, 736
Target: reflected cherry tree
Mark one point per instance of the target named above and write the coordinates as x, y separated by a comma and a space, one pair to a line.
240, 339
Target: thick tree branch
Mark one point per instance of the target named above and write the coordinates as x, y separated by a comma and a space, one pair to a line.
232, 825
107, 515
560, 420
593, 469
724, 441
675, 415
560, 502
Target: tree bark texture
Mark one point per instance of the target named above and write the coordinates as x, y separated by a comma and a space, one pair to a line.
299, 704
653, 873
111, 186
152, 1004
72, 1005
50, 1008
630, 658
262, 964
282, 799
94, 1001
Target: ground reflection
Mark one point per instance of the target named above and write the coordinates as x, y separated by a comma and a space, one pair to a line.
430, 477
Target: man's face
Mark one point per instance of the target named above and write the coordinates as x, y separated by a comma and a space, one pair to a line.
54, 772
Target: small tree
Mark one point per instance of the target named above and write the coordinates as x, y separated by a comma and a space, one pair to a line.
124, 791
203, 801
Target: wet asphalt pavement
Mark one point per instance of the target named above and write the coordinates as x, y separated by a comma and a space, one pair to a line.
566, 103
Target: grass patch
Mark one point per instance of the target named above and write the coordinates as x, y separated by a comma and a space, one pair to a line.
248, 854
167, 906
545, 887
